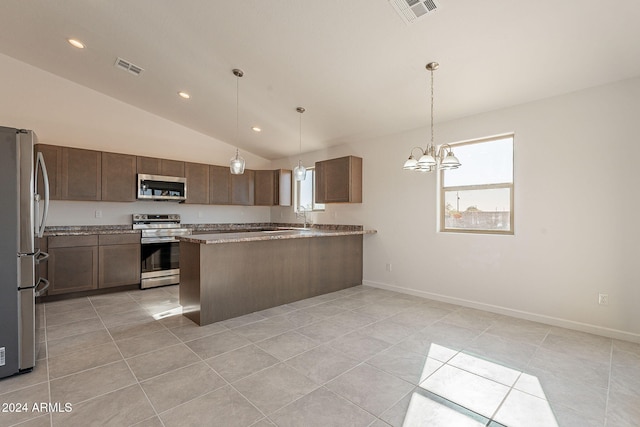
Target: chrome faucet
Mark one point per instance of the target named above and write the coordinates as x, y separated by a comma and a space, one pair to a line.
302, 213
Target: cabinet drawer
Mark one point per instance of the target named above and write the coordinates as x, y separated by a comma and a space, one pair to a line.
119, 239
72, 241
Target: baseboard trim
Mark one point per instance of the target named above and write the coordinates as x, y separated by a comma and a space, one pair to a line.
549, 320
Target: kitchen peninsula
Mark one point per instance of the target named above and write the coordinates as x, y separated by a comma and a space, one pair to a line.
225, 275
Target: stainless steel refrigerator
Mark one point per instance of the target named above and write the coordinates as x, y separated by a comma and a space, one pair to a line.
23, 213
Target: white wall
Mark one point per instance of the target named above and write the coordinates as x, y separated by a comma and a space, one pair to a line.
112, 213
67, 114
576, 215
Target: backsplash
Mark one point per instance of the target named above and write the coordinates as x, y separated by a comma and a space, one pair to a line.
66, 213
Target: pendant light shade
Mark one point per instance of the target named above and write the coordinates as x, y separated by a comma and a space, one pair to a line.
300, 172
237, 163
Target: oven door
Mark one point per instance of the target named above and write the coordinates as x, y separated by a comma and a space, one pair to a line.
160, 262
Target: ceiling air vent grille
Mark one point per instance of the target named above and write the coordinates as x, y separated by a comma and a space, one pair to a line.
410, 10
123, 64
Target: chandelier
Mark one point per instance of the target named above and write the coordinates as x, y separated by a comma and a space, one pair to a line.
432, 157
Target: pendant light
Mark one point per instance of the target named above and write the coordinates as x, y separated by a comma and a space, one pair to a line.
237, 162
300, 172
432, 158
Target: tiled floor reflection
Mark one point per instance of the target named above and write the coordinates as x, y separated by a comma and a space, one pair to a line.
358, 357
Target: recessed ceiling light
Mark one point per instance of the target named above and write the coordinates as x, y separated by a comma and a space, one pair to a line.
184, 95
256, 129
76, 43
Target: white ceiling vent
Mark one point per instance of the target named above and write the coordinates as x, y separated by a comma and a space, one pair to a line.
128, 66
410, 10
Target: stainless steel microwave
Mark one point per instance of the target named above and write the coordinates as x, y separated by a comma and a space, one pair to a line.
158, 187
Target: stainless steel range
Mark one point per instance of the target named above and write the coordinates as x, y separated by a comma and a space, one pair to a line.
160, 248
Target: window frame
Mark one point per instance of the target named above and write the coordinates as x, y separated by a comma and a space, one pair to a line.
315, 207
511, 186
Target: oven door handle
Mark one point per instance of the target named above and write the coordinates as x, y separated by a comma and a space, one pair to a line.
145, 240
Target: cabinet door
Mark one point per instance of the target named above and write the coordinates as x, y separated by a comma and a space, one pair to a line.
265, 188
284, 187
320, 190
118, 177
53, 161
219, 185
119, 265
242, 188
81, 174
148, 165
155, 166
72, 264
339, 180
197, 183
171, 168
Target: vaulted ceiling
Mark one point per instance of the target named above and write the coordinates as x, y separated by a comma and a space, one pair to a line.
355, 65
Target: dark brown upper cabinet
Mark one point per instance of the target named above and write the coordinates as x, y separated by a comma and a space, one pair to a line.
53, 161
219, 185
339, 180
78, 174
242, 188
118, 177
81, 174
197, 183
273, 187
154, 166
265, 188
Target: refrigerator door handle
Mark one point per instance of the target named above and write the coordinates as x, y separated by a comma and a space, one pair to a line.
45, 211
41, 291
41, 256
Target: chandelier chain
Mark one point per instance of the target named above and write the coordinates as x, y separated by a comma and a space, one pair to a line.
432, 137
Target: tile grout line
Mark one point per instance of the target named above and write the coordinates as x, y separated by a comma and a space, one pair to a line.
46, 346
606, 403
128, 367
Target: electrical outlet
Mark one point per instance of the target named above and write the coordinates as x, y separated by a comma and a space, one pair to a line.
98, 214
200, 214
389, 266
603, 299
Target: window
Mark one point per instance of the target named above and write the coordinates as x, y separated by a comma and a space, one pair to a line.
478, 196
305, 193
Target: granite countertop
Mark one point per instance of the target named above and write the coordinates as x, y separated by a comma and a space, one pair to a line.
230, 228
282, 234
85, 230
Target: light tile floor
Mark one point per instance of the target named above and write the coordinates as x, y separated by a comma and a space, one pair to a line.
358, 357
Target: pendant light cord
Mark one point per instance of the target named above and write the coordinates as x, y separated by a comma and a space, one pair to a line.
300, 149
238, 110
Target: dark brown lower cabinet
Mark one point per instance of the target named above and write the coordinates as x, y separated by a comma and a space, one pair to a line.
84, 263
72, 264
118, 260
